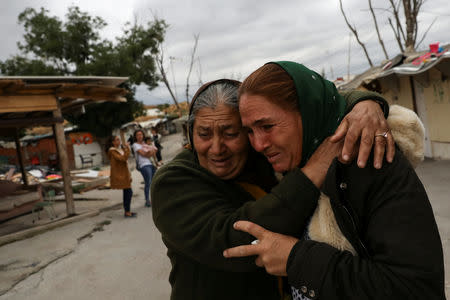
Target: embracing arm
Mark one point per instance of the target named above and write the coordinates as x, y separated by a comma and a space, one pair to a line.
365, 119
406, 260
195, 212
354, 97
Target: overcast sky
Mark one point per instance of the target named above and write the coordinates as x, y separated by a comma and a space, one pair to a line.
238, 36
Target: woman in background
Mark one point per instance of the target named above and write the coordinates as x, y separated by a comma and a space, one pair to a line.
143, 153
120, 177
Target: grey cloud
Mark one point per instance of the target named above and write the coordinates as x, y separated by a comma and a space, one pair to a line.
238, 36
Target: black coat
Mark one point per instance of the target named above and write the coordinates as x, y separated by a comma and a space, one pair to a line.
387, 218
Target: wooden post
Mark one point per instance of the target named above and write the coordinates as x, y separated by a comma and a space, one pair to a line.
64, 161
20, 156
122, 137
58, 157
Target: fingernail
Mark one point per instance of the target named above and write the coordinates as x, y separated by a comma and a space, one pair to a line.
346, 157
360, 164
377, 166
235, 224
225, 254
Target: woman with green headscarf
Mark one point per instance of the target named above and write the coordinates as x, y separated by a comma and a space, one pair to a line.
373, 234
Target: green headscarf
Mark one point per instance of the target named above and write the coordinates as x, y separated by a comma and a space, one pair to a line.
321, 106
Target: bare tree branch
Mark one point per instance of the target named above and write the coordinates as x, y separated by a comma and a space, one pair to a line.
199, 72
172, 58
160, 64
424, 35
397, 36
378, 31
353, 29
395, 10
196, 36
159, 58
399, 24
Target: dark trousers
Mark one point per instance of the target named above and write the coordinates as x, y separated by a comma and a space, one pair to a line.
127, 194
158, 155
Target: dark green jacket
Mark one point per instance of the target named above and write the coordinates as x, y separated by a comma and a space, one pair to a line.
386, 216
195, 211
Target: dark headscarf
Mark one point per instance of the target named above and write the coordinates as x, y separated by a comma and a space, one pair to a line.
321, 106
197, 94
257, 169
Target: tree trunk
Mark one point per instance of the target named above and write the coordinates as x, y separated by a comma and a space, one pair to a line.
397, 36
160, 64
410, 24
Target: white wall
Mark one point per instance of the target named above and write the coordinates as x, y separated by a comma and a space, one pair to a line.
93, 149
154, 112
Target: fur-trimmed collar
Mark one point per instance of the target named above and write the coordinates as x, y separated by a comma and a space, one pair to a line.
409, 133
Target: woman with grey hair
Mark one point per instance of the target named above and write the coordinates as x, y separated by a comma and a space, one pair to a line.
198, 196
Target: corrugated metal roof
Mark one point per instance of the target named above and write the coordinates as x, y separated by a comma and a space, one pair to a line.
410, 69
404, 69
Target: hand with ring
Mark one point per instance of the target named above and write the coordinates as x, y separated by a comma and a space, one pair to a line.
366, 124
384, 134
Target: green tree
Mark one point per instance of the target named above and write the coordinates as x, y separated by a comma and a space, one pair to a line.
74, 47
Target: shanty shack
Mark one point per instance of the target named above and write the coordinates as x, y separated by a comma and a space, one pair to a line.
419, 82
42, 101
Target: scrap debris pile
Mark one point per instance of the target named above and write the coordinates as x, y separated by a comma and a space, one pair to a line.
82, 180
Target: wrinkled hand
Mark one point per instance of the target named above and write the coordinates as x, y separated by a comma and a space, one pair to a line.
363, 123
272, 250
317, 166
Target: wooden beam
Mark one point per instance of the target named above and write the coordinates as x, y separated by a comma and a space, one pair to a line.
27, 103
64, 162
28, 122
94, 96
4, 84
13, 87
20, 156
79, 102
